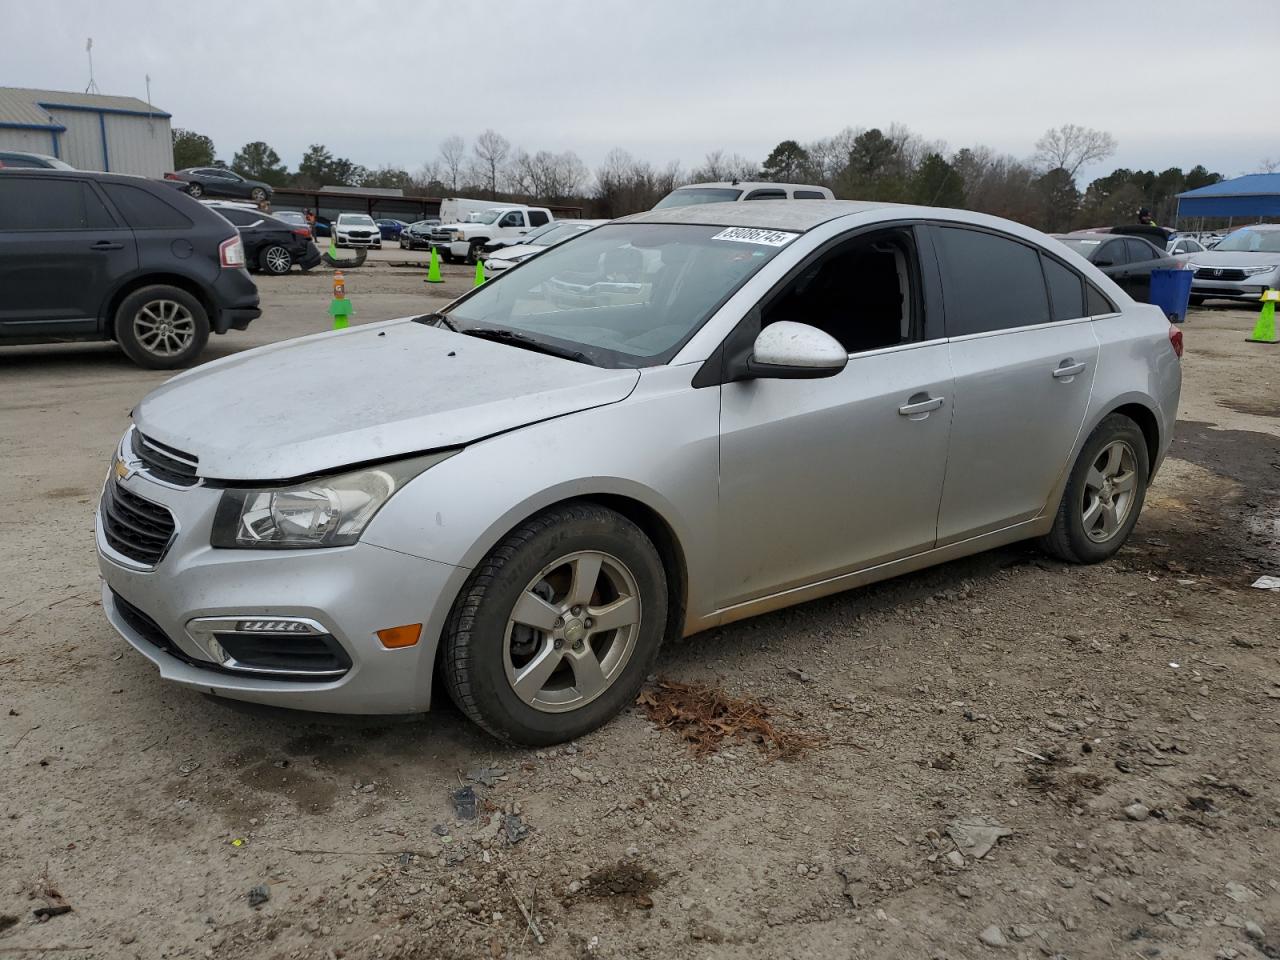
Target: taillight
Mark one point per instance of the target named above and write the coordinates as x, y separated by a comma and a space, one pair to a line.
231, 252
302, 232
172, 176
1175, 339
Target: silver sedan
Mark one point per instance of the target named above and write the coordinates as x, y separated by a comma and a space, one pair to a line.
665, 424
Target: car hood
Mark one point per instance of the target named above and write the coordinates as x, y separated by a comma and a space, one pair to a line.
368, 393
1226, 258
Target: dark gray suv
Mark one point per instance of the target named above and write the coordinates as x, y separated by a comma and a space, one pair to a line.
97, 256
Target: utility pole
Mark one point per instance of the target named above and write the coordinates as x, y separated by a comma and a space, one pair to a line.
92, 87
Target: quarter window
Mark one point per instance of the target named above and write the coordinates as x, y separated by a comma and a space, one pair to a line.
767, 194
809, 195
144, 211
989, 282
28, 203
1066, 293
1097, 302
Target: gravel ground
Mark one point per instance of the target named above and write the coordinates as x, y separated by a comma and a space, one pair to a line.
1113, 730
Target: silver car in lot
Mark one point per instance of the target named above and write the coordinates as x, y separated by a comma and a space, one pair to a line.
1241, 266
674, 421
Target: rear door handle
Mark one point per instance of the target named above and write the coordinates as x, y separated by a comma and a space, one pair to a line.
1067, 368
919, 406
107, 245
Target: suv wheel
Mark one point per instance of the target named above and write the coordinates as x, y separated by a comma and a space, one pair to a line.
195, 189
1104, 494
557, 627
161, 327
276, 259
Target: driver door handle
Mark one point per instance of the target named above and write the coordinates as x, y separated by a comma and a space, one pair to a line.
1068, 369
919, 406
107, 245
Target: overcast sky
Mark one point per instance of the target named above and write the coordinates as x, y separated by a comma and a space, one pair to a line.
1176, 82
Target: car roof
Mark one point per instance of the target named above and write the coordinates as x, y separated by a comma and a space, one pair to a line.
798, 215
80, 175
1094, 235
751, 185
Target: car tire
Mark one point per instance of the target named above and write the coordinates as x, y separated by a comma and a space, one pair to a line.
276, 260
195, 190
449, 258
161, 327
473, 254
1196, 301
257, 194
485, 649
1104, 494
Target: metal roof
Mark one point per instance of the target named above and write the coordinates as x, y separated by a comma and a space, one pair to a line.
1253, 195
1250, 185
20, 105
768, 214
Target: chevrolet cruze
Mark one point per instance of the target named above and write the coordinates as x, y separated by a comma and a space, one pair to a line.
670, 422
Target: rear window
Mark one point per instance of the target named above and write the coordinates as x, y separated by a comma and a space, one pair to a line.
38, 203
687, 196
143, 210
809, 195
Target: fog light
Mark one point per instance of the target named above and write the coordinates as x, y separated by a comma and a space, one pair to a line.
272, 626
405, 636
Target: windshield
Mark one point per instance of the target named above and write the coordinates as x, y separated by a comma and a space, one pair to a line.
1250, 241
687, 196
356, 219
1083, 246
484, 216
625, 295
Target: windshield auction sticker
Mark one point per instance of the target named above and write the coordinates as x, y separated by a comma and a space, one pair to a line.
768, 238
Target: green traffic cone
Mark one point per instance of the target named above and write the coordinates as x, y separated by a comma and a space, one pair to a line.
433, 270
1264, 331
479, 272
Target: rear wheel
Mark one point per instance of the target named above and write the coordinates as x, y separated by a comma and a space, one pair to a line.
1104, 494
555, 630
195, 189
257, 194
276, 259
161, 327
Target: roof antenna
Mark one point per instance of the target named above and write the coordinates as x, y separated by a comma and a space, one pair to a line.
92, 87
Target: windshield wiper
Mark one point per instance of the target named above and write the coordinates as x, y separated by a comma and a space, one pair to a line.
526, 342
436, 320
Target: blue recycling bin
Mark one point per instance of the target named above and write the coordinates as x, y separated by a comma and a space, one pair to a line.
1171, 292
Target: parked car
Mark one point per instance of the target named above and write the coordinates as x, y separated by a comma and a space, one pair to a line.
1183, 247
672, 422
356, 230
1241, 266
1126, 260
549, 236
221, 182
96, 256
270, 245
731, 191
417, 235
14, 159
465, 240
389, 228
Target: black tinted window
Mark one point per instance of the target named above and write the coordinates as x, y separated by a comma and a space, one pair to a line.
770, 194
143, 210
31, 203
241, 218
537, 218
989, 282
1066, 294
1097, 301
26, 162
809, 195
1140, 250
1111, 254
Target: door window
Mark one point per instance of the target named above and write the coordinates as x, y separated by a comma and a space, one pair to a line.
864, 292
28, 203
512, 219
989, 282
538, 219
144, 211
1066, 290
1139, 252
809, 195
1112, 255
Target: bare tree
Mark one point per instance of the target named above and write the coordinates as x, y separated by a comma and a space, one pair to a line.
627, 185
491, 150
1269, 165
1071, 147
453, 156
830, 155
546, 175
721, 166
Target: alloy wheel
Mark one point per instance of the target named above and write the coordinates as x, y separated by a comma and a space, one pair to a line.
164, 327
572, 631
1109, 488
278, 259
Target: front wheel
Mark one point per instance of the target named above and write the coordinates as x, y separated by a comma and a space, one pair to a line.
1104, 494
557, 627
195, 190
257, 194
473, 253
161, 327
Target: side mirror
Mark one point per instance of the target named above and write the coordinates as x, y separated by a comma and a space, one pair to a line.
795, 351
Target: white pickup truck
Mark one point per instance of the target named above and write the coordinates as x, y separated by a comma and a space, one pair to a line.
462, 241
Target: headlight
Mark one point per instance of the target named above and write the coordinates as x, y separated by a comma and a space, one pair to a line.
325, 512
1253, 271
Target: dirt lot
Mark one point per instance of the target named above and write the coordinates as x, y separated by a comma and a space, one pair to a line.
1006, 689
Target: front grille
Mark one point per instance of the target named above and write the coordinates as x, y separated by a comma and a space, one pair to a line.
358, 233
165, 462
134, 527
1219, 273
298, 653
441, 236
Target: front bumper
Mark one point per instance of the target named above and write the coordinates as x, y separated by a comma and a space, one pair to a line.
351, 592
343, 240
456, 248
1248, 289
